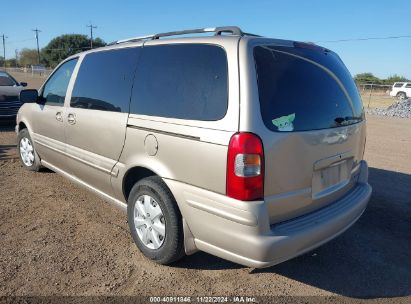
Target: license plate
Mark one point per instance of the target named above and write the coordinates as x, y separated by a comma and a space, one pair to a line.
327, 178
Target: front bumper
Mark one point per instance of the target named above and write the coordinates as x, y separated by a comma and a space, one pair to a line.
240, 231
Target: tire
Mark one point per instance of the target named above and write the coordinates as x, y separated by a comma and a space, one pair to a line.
401, 95
27, 154
147, 196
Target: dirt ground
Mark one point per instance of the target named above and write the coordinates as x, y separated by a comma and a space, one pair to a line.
58, 239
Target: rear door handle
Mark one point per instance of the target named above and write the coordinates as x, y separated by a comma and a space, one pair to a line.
71, 118
59, 116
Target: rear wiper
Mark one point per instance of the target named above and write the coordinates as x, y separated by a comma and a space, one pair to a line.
346, 120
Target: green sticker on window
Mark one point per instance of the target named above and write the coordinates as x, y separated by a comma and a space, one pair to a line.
284, 123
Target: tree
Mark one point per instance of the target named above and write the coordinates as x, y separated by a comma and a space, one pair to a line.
28, 57
395, 78
367, 78
11, 63
64, 46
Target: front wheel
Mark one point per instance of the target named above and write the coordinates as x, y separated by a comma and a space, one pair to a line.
27, 154
155, 221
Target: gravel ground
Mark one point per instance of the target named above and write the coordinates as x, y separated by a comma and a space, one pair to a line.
399, 109
58, 239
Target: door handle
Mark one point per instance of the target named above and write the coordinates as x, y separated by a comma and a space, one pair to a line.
71, 118
59, 116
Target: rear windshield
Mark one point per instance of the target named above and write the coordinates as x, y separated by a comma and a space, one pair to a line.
304, 89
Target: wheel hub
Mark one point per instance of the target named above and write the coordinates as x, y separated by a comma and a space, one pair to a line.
149, 222
26, 152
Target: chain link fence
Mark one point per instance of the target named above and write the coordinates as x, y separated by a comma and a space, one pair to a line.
33, 77
376, 95
29, 72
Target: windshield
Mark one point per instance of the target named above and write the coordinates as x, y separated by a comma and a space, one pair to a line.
6, 80
304, 89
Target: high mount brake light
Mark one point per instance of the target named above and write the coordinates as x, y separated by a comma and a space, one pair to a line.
245, 167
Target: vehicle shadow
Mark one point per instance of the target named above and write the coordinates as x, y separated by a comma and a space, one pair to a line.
7, 150
371, 259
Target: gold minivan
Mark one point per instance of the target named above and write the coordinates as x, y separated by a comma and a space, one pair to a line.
245, 147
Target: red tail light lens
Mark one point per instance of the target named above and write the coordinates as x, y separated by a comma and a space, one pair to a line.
245, 167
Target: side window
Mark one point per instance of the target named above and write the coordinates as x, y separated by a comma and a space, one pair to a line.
408, 85
398, 85
104, 80
186, 81
55, 89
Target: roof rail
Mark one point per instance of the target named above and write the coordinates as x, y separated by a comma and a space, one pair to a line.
233, 30
134, 39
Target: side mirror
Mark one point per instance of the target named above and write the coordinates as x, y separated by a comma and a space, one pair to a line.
29, 96
23, 84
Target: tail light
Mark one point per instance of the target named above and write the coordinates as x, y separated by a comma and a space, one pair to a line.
245, 167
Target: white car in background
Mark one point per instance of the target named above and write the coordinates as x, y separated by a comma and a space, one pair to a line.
402, 90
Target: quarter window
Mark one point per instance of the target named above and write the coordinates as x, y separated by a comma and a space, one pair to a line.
55, 89
104, 80
185, 81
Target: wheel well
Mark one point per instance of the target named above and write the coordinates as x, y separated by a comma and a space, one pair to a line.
132, 176
398, 93
22, 126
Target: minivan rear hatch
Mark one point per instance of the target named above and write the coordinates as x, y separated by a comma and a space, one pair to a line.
314, 114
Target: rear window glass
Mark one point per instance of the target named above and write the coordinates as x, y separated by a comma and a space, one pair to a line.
305, 89
185, 81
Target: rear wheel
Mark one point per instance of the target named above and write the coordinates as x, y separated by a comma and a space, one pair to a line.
401, 95
28, 156
155, 221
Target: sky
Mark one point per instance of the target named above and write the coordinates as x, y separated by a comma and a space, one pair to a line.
317, 21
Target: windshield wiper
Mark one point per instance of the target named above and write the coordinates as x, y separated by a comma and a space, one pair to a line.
347, 120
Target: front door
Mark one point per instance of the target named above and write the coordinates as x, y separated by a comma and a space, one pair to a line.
49, 114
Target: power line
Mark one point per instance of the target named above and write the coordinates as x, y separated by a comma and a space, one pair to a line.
91, 26
38, 49
22, 40
365, 39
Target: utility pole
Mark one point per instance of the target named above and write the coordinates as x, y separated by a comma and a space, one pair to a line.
38, 49
91, 26
16, 51
4, 50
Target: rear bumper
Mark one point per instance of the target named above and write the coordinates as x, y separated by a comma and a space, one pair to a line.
240, 231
